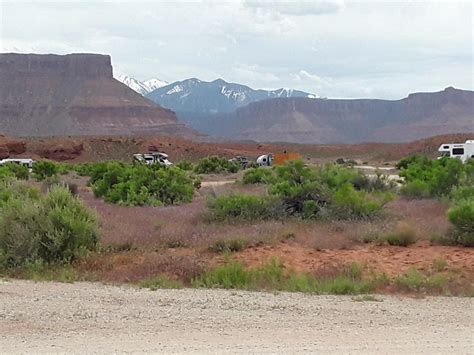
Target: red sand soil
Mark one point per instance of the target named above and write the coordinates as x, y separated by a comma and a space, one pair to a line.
392, 260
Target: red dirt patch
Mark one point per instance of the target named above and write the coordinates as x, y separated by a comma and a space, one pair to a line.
389, 259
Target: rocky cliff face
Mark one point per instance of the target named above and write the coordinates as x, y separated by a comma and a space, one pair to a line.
75, 94
302, 120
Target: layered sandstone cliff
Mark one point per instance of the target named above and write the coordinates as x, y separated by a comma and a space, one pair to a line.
74, 94
303, 120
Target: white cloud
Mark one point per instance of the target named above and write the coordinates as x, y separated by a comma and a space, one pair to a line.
296, 7
382, 49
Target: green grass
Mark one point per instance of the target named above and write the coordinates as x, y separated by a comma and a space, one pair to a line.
39, 271
159, 282
413, 280
227, 245
273, 276
439, 264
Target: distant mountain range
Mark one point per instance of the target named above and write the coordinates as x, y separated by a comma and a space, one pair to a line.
194, 99
142, 87
236, 111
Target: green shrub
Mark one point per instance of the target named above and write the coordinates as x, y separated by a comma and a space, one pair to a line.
56, 227
139, 184
462, 193
215, 165
45, 168
425, 177
348, 203
416, 189
304, 192
185, 165
295, 184
257, 176
404, 163
17, 170
461, 215
403, 236
414, 280
6, 174
242, 207
335, 176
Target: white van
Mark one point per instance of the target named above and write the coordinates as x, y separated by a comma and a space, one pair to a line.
463, 151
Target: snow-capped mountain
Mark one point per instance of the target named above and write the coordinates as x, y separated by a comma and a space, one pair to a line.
202, 97
142, 87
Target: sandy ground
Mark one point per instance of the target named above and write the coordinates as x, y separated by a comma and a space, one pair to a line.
93, 318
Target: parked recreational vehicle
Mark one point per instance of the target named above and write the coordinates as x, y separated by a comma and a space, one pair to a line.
463, 151
153, 158
277, 159
265, 160
25, 162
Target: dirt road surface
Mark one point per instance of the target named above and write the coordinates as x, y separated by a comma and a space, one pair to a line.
93, 318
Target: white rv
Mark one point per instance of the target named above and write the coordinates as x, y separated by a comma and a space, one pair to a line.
463, 151
25, 162
153, 158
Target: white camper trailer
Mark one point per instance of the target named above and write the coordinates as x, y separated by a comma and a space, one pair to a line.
463, 151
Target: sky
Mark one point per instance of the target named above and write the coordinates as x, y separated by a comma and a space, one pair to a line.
336, 49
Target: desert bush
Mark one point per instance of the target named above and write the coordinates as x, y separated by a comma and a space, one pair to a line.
348, 203
139, 184
55, 227
242, 207
186, 165
461, 215
257, 176
335, 176
404, 236
416, 189
296, 190
412, 159
413, 280
215, 165
227, 245
462, 193
444, 177
6, 174
45, 168
14, 170
425, 177
294, 185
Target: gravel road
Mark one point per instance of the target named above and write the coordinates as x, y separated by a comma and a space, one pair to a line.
93, 318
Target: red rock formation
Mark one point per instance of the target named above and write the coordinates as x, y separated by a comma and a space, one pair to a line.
10, 147
303, 120
75, 94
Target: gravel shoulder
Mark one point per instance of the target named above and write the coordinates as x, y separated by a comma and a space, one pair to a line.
96, 318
